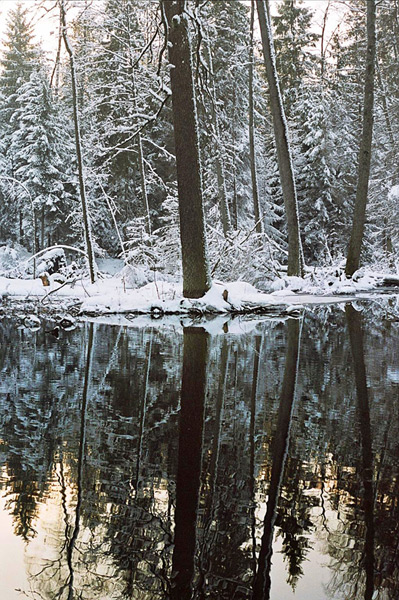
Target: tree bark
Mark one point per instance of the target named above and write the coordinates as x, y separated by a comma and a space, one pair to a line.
78, 143
220, 171
196, 272
295, 254
359, 213
252, 152
140, 155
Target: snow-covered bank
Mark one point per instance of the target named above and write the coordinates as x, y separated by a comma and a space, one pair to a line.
110, 295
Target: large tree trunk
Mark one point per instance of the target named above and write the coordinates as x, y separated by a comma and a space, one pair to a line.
252, 152
196, 272
78, 143
295, 253
359, 213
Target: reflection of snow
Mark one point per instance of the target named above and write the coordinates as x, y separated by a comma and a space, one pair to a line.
393, 374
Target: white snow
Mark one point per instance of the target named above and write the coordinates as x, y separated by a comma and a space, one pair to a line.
393, 194
112, 296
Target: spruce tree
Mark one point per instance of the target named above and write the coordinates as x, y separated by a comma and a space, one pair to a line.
16, 64
17, 61
293, 40
38, 147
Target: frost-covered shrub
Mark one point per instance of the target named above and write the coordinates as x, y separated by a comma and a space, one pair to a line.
11, 256
250, 257
157, 255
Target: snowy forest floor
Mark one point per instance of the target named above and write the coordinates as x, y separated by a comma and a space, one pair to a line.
30, 300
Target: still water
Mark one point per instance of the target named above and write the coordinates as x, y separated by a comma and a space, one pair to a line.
162, 463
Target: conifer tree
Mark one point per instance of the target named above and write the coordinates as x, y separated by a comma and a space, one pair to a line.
225, 25
16, 65
38, 148
293, 40
17, 61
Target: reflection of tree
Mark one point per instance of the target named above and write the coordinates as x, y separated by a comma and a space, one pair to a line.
195, 361
23, 500
359, 577
262, 582
81, 455
252, 475
126, 469
293, 522
210, 488
356, 340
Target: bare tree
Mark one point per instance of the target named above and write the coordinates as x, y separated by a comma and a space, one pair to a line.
252, 152
359, 213
78, 143
196, 272
284, 159
219, 157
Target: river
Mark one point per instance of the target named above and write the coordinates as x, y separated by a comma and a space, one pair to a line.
167, 462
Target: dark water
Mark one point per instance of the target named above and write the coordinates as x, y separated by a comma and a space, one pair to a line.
150, 463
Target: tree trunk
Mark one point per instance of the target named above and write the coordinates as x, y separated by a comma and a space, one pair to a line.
359, 214
143, 183
78, 143
252, 152
220, 171
295, 253
196, 272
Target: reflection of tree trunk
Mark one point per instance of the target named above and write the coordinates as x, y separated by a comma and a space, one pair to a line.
354, 320
224, 360
195, 359
280, 449
82, 445
211, 506
143, 410
258, 341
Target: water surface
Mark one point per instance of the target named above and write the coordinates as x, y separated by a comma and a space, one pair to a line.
154, 463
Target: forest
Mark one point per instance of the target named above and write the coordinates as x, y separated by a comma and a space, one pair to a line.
229, 137
198, 345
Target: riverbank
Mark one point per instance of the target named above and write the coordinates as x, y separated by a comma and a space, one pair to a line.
110, 295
